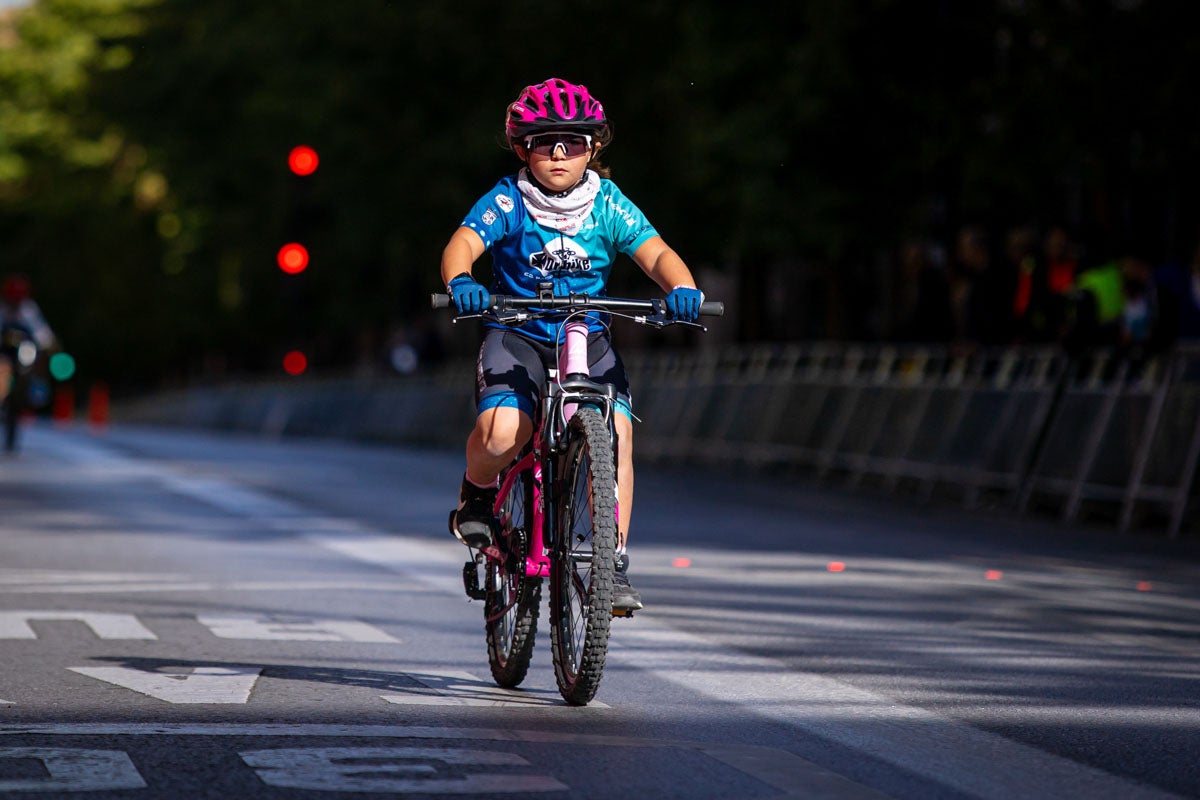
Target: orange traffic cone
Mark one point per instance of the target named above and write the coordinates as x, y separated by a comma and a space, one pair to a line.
98, 406
63, 412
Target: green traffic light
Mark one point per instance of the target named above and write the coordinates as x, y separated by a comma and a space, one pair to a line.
62, 366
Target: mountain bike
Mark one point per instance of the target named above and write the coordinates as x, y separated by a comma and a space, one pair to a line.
557, 503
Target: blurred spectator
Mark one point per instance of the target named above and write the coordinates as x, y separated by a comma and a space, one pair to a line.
1180, 298
1045, 280
1096, 306
1139, 309
1060, 259
982, 288
1020, 250
923, 301
1115, 304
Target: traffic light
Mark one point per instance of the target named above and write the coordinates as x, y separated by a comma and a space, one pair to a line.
292, 258
295, 363
302, 219
302, 215
303, 160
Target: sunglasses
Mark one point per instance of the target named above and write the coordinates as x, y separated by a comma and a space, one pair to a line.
547, 144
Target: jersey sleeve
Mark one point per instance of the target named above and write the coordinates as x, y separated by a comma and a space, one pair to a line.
496, 214
629, 227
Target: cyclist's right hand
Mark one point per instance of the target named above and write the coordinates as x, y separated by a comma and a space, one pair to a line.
684, 303
470, 296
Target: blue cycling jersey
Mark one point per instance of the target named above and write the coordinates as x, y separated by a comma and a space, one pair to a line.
525, 253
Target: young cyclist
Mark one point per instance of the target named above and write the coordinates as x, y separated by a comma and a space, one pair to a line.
559, 219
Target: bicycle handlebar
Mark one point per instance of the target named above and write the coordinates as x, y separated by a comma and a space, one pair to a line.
582, 302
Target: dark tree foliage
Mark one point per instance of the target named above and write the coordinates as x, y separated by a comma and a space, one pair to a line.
143, 144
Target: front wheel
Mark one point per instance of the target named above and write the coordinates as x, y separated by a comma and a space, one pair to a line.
512, 600
582, 569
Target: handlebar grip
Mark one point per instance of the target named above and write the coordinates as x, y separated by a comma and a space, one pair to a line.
712, 308
439, 300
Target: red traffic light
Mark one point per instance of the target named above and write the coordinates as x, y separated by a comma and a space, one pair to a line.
292, 258
303, 160
295, 363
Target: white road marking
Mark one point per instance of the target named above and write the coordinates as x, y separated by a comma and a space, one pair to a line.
792, 776
982, 764
358, 769
73, 770
207, 685
319, 630
62, 577
193, 587
36, 581
15, 624
952, 752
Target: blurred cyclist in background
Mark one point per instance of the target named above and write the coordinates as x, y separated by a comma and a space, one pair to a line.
19, 315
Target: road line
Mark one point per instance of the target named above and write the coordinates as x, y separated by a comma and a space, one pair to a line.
792, 776
951, 752
15, 624
204, 685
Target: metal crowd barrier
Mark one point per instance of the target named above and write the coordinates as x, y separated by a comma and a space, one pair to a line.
1102, 436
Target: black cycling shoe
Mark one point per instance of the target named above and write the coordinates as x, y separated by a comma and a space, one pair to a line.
474, 522
626, 599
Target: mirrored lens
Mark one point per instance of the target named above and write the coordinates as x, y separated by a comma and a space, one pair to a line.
545, 144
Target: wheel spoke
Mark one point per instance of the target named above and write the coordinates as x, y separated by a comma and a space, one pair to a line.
512, 601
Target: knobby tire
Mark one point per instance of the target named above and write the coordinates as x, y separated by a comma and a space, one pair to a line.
512, 601
583, 566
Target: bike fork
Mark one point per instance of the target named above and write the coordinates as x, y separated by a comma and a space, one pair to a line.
537, 564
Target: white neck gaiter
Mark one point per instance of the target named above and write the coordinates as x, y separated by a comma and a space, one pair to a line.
562, 212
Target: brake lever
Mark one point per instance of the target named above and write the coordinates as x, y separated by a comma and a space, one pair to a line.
503, 317
661, 321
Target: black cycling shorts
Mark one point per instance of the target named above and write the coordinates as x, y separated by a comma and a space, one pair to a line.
512, 369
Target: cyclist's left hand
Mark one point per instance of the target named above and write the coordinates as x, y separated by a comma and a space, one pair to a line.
684, 303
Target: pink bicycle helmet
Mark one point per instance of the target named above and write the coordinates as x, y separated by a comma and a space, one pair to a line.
556, 105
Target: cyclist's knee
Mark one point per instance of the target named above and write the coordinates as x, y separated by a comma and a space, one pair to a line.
502, 430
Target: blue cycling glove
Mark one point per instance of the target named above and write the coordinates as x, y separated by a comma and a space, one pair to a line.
470, 297
684, 303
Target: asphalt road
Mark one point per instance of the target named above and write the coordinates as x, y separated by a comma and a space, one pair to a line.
188, 616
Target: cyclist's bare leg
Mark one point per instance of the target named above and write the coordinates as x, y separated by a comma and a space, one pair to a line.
499, 435
626, 599
5, 377
624, 428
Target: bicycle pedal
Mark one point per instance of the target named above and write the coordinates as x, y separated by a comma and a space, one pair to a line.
470, 575
622, 612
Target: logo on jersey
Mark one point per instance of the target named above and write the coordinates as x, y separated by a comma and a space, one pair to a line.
620, 211
505, 202
489, 216
562, 256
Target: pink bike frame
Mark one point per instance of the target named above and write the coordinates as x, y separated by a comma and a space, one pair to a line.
572, 358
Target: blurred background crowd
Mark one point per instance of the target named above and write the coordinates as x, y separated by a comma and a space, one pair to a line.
994, 172
1033, 286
